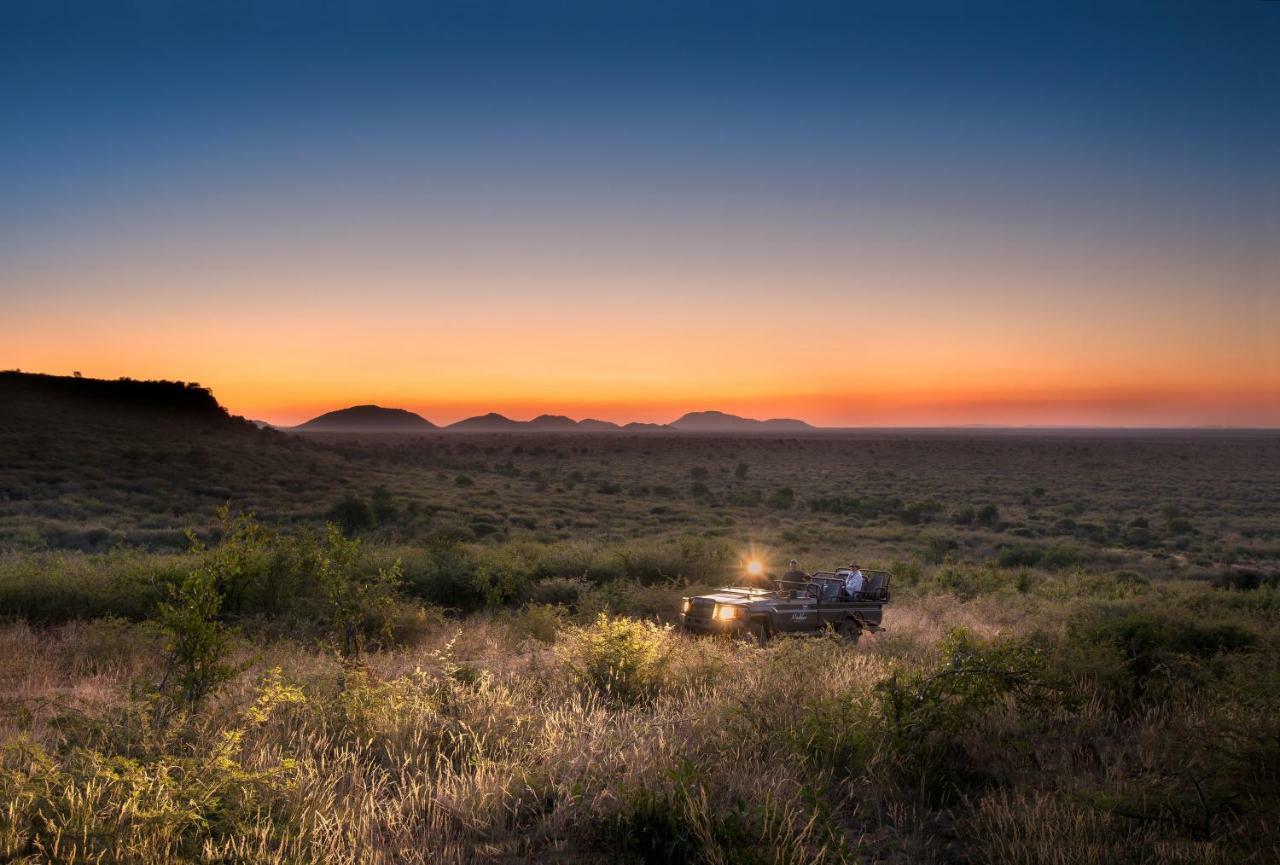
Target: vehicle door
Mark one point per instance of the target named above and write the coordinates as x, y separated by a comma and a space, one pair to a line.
799, 613
832, 608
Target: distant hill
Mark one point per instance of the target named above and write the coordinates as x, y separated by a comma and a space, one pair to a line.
491, 422
367, 419
494, 422
717, 421
592, 425
373, 419
551, 422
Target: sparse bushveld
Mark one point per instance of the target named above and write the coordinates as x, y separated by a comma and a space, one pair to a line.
486, 673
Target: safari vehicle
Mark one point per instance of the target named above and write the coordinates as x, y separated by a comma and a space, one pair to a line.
795, 607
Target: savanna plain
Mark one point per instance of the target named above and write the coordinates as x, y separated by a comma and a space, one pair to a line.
224, 644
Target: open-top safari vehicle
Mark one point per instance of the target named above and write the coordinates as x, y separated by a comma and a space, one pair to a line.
817, 603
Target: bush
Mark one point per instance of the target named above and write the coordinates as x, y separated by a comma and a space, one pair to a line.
560, 591
1156, 647
197, 642
47, 588
783, 499
540, 622
502, 576
445, 577
920, 512
867, 508
383, 506
618, 658
928, 712
1019, 556
352, 514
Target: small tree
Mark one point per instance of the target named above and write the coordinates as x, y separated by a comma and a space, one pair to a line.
353, 600
198, 642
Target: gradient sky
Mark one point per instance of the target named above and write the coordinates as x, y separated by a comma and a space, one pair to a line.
857, 213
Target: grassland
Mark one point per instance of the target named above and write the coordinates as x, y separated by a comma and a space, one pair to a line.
1080, 661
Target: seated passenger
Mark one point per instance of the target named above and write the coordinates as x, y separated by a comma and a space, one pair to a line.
853, 582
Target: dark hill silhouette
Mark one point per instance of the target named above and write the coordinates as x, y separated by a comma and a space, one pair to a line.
641, 426
592, 425
51, 395
368, 418
718, 421
491, 422
552, 422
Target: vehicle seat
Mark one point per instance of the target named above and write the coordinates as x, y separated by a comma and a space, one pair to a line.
874, 585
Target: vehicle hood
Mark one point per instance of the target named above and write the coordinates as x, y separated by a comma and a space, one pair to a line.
735, 596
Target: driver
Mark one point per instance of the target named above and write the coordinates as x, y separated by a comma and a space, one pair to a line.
794, 574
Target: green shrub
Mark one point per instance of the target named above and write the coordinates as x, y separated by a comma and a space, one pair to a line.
197, 643
540, 622
783, 499
356, 604
928, 712
920, 512
1019, 556
1156, 648
352, 514
561, 591
502, 576
383, 506
619, 658
46, 588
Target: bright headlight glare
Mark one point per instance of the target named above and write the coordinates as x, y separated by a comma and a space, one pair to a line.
726, 612
754, 568
684, 605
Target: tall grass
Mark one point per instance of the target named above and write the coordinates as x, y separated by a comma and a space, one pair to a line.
609, 740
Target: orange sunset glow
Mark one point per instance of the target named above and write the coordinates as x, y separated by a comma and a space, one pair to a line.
845, 343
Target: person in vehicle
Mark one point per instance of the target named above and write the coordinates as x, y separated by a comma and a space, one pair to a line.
853, 582
794, 574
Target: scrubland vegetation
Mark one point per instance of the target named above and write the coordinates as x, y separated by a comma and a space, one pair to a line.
389, 665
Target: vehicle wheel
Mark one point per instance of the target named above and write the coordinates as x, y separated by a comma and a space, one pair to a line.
757, 632
849, 631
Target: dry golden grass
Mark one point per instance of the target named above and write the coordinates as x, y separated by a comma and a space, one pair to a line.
480, 744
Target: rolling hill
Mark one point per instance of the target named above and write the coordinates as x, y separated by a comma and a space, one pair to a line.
717, 421
367, 419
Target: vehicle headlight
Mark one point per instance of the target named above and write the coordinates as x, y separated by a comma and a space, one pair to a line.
726, 611
684, 605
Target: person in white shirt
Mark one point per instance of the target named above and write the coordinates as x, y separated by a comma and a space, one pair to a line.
853, 582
